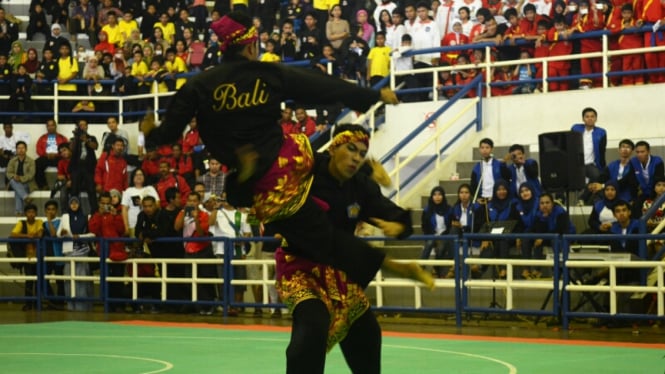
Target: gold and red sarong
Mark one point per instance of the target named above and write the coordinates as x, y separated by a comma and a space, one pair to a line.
284, 188
299, 279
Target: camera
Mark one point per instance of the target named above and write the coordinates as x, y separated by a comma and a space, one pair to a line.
189, 210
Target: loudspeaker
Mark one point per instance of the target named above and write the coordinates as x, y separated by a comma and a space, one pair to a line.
562, 161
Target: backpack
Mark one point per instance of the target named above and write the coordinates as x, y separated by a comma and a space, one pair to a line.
17, 250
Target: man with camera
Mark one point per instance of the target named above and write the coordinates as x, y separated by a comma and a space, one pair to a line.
195, 223
522, 170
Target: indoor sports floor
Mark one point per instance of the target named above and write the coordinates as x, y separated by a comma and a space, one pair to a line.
132, 346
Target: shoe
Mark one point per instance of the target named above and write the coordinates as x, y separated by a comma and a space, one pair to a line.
258, 312
207, 311
277, 313
502, 274
536, 274
475, 272
233, 312
154, 309
526, 274
450, 275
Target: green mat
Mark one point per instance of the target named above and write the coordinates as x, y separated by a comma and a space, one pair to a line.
100, 347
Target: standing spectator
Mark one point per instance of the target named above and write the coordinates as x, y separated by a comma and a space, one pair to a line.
127, 26
182, 164
425, 34
365, 29
648, 168
650, 12
7, 144
167, 27
21, 91
103, 12
306, 124
435, 220
53, 248
111, 169
47, 152
29, 228
46, 74
523, 170
146, 228
167, 179
68, 69
195, 223
395, 30
167, 217
37, 22
445, 16
200, 12
630, 41
109, 137
112, 30
595, 143
83, 20
487, 171
337, 29
387, 6
378, 60
586, 20
8, 33
214, 179
132, 199
183, 23
74, 225
559, 45
148, 19
84, 161
107, 223
63, 183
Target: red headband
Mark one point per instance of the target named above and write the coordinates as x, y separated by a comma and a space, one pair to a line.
231, 33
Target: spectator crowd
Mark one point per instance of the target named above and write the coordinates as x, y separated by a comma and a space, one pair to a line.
136, 45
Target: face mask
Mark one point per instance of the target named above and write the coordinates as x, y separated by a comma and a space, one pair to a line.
158, 53
584, 11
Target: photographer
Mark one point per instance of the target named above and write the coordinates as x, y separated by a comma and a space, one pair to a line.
82, 166
195, 223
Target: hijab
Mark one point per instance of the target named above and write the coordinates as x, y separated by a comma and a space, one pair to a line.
500, 204
78, 222
31, 66
16, 59
440, 208
529, 205
611, 203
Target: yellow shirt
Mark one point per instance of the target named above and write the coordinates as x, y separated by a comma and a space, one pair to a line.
160, 86
177, 66
67, 67
114, 36
36, 228
270, 57
168, 31
126, 29
139, 69
379, 61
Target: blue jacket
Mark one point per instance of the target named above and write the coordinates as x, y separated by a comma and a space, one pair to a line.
499, 171
625, 245
474, 210
627, 184
429, 221
558, 222
527, 216
531, 173
599, 138
654, 169
504, 214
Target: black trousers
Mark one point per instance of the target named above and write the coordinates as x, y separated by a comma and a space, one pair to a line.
40, 169
206, 292
306, 352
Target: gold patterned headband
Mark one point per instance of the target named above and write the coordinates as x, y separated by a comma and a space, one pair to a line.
350, 136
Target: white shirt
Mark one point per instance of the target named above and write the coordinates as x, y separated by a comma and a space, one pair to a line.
444, 18
589, 157
394, 36
8, 144
521, 176
462, 219
225, 229
402, 63
440, 224
606, 216
487, 179
131, 198
425, 34
473, 6
377, 12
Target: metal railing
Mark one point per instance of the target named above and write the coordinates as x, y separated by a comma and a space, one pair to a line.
561, 288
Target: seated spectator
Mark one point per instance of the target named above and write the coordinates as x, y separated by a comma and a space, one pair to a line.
104, 45
306, 124
21, 176
621, 172
132, 197
524, 72
289, 126
37, 22
83, 20
659, 214
60, 14
551, 218
29, 228
109, 137
502, 207
452, 39
526, 207
111, 169
93, 72
17, 56
148, 19
602, 214
47, 152
74, 225
269, 55
54, 41
212, 55
167, 29
625, 225
182, 165
32, 63
5, 79
436, 220
127, 26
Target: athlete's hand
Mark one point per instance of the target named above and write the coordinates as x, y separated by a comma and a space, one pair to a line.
392, 229
379, 174
148, 123
388, 96
247, 158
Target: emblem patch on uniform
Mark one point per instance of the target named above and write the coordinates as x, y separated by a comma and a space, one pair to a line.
353, 210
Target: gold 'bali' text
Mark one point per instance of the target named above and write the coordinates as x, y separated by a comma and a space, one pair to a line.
228, 97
